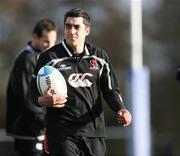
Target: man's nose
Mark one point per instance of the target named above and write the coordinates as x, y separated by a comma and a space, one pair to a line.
72, 30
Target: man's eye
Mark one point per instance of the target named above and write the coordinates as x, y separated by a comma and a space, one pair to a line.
68, 26
76, 27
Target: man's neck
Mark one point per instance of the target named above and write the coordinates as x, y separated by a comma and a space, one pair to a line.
78, 49
34, 46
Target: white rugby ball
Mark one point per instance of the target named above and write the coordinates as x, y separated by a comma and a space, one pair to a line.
49, 75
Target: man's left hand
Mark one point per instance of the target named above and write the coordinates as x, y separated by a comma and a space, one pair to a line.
124, 117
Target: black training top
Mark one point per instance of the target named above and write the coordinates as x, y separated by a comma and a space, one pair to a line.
24, 120
89, 76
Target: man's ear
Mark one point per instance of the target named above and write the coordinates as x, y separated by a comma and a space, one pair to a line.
34, 36
88, 30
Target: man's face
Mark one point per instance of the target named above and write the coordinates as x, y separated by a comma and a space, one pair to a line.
47, 40
75, 31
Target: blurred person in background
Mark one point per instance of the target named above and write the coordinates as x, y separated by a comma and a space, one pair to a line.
25, 121
75, 123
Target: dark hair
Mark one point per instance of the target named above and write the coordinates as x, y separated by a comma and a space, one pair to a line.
44, 24
77, 12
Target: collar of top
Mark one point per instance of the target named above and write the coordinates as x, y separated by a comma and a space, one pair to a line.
70, 51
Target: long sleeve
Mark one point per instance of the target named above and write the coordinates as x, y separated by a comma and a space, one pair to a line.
110, 87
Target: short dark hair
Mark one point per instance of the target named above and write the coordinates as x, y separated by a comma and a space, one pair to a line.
44, 24
77, 12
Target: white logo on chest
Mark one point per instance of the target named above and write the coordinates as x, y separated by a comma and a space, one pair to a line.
80, 80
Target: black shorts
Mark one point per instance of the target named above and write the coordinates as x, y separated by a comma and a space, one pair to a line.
77, 146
